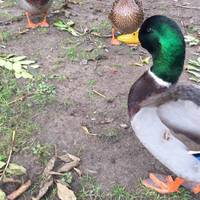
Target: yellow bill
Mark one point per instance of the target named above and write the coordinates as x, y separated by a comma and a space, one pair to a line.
130, 39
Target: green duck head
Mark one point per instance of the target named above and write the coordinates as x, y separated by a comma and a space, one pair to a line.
162, 37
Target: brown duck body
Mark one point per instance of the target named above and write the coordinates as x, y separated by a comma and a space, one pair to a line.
127, 15
35, 7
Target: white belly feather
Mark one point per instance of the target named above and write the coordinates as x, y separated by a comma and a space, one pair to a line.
158, 139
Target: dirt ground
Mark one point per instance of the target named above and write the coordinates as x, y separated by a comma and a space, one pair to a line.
114, 155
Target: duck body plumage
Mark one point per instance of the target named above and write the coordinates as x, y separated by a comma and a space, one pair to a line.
35, 7
158, 106
156, 112
126, 15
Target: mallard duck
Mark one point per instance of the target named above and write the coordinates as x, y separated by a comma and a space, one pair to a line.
36, 7
126, 17
158, 106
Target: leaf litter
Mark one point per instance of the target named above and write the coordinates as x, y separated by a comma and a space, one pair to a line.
67, 26
52, 174
191, 40
49, 175
193, 69
13, 170
64, 193
20, 65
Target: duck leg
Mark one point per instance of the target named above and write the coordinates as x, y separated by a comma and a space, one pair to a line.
114, 41
192, 186
163, 184
30, 24
44, 23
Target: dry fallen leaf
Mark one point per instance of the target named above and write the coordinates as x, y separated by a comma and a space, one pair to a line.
87, 132
44, 187
23, 188
10, 180
65, 158
50, 166
78, 171
68, 166
65, 193
15, 169
74, 158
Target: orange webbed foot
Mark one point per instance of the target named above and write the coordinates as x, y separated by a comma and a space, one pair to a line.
115, 42
196, 189
192, 186
163, 184
30, 24
44, 23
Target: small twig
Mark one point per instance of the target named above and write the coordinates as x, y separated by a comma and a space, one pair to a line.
87, 132
98, 93
188, 7
100, 35
22, 98
55, 173
14, 195
10, 180
9, 157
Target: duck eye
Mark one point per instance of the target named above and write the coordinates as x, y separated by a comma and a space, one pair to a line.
149, 29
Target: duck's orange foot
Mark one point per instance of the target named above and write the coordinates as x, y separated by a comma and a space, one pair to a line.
115, 42
30, 24
163, 184
192, 186
44, 23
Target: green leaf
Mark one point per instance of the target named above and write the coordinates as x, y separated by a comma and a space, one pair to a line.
18, 58
61, 25
194, 62
191, 67
18, 64
2, 164
15, 170
18, 75
9, 56
197, 75
70, 23
27, 62
2, 195
191, 40
193, 78
17, 67
35, 66
8, 65
2, 158
25, 74
198, 59
2, 62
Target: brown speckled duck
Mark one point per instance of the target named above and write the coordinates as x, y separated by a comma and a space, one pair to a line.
126, 17
36, 7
